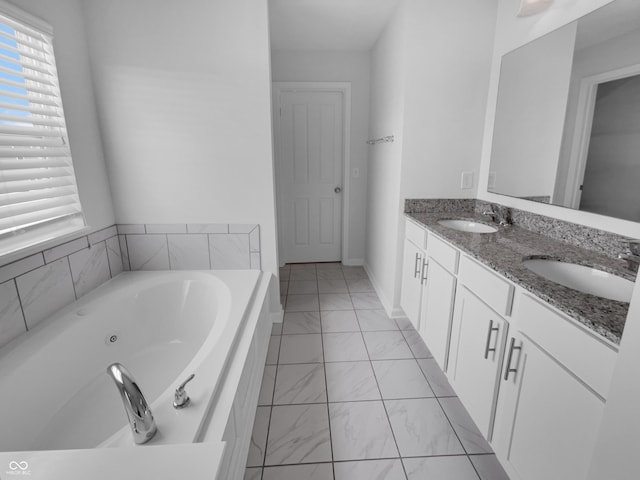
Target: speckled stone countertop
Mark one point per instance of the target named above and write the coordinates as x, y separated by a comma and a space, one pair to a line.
504, 250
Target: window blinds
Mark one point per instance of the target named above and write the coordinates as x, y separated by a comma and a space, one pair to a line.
38, 194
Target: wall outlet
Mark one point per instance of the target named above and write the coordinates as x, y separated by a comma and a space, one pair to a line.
466, 181
492, 180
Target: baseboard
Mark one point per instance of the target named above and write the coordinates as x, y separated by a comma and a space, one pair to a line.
277, 317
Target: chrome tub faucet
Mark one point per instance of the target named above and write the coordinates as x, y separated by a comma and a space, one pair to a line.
143, 426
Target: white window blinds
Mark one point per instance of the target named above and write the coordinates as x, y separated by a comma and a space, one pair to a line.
38, 193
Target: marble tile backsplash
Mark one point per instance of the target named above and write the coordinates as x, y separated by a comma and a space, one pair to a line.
190, 246
35, 287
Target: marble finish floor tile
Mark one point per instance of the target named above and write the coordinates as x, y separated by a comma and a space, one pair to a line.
303, 287
401, 379
335, 301
330, 275
354, 272
258, 443
344, 347
366, 301
301, 349
334, 321
274, 350
488, 467
416, 344
370, 470
440, 468
302, 276
326, 266
351, 381
253, 474
332, 285
404, 323
469, 435
386, 345
298, 434
436, 378
359, 285
314, 471
301, 322
267, 386
302, 303
421, 428
301, 383
375, 320
303, 267
360, 430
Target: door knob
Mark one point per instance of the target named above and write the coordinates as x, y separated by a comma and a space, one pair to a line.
337, 189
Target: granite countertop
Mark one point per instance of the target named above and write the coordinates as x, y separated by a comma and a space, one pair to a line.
504, 250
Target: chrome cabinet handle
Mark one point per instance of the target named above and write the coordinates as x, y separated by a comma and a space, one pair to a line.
337, 189
486, 347
512, 347
416, 268
423, 276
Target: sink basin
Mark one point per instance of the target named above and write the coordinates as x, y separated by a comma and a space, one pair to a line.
468, 226
583, 278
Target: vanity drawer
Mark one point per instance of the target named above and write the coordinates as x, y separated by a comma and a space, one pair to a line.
443, 253
415, 233
582, 353
494, 290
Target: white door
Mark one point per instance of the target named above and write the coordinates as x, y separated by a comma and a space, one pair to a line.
309, 162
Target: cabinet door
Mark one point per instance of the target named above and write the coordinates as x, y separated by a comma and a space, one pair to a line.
437, 307
547, 420
477, 347
412, 268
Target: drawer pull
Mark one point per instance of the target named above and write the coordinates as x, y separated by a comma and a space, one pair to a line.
486, 348
416, 266
424, 271
512, 347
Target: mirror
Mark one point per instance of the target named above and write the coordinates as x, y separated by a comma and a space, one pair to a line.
567, 125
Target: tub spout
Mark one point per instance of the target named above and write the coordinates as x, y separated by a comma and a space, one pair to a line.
143, 426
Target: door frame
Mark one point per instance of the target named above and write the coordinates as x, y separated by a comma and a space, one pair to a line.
340, 87
582, 131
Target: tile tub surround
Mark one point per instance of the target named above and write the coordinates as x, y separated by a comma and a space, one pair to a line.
504, 250
190, 246
35, 287
351, 395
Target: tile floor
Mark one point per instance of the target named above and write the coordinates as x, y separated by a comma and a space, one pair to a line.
350, 394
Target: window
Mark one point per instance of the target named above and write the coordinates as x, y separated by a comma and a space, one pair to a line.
38, 194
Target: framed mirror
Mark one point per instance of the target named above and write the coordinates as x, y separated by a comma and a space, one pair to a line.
567, 125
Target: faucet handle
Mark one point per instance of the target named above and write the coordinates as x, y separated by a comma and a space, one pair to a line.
180, 397
634, 245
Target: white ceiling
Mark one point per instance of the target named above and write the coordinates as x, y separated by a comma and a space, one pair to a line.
328, 25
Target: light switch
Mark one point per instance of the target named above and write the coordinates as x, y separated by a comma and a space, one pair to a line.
467, 180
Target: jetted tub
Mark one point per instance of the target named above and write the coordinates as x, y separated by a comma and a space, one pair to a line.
55, 393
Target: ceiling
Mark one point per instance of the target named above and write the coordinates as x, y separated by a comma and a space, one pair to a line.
328, 25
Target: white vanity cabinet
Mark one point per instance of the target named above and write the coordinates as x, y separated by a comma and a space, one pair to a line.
414, 270
438, 298
478, 339
552, 393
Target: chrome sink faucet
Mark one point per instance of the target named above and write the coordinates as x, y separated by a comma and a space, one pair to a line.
143, 426
499, 215
632, 256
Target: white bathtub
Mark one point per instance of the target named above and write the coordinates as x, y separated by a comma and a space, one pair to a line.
163, 326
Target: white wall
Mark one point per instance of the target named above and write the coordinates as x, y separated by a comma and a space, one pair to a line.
513, 32
72, 61
353, 67
183, 93
429, 84
532, 103
385, 159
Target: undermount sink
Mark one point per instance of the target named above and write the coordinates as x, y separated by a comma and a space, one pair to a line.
467, 226
582, 278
